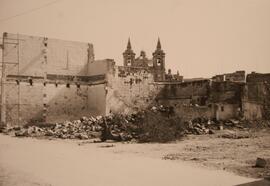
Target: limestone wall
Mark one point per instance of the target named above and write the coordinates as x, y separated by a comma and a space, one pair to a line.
132, 90
51, 103
66, 81
38, 55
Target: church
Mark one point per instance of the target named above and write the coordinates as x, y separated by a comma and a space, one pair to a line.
156, 65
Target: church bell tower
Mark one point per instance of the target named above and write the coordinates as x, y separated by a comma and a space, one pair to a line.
159, 63
129, 55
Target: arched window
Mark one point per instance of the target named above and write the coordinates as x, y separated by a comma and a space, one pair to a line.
158, 62
128, 62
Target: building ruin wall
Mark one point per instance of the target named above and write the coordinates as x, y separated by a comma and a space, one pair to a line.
51, 80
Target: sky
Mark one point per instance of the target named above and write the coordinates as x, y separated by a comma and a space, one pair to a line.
201, 38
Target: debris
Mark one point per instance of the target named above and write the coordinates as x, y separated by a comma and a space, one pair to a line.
107, 146
234, 134
22, 133
158, 123
260, 163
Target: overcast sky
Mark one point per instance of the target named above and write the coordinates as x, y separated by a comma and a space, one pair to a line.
201, 38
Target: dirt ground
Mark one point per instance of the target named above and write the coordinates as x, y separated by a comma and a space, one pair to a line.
31, 162
212, 151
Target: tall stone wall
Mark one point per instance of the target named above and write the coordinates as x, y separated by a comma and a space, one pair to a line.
35, 56
38, 103
256, 100
51, 80
23, 102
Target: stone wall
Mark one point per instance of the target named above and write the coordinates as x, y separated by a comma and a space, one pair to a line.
36, 56
225, 99
258, 77
252, 111
185, 110
195, 92
238, 76
256, 100
51, 80
52, 103
23, 102
131, 90
100, 67
54, 80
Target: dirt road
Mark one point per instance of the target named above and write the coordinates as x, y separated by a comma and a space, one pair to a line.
30, 162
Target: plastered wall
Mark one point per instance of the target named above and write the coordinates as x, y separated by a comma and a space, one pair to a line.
38, 55
51, 103
51, 100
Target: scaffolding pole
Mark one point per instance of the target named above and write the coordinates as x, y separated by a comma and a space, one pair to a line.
3, 81
18, 73
3, 78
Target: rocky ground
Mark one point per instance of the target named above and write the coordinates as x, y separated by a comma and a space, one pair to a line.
234, 151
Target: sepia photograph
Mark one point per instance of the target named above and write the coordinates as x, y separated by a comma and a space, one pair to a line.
134, 92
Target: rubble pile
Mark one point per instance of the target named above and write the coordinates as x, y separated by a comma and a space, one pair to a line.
153, 125
120, 127
199, 126
85, 128
156, 124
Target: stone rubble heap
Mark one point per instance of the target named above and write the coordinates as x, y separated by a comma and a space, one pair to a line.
85, 128
158, 123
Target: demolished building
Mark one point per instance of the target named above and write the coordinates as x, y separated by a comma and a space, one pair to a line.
256, 100
51, 80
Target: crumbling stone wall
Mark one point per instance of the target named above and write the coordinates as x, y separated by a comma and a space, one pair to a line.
256, 97
238, 76
195, 92
185, 110
228, 92
252, 111
130, 91
225, 99
258, 77
256, 100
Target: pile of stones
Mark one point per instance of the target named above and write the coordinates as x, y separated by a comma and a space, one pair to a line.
154, 121
120, 127
85, 128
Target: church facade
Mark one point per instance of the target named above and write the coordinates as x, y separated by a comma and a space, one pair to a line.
155, 65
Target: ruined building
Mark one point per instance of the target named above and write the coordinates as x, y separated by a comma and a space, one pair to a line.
256, 99
51, 80
238, 76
